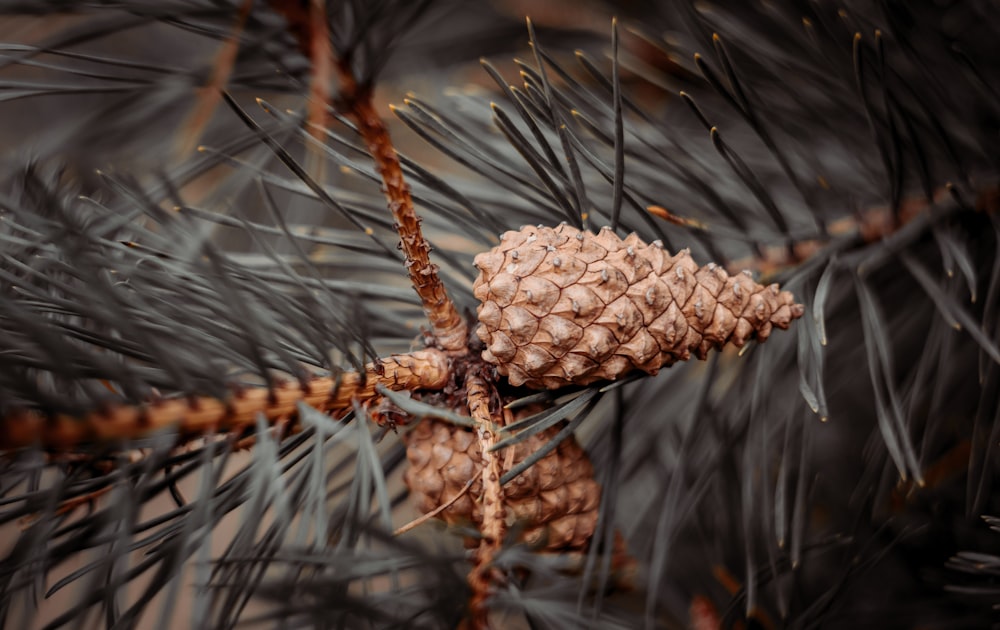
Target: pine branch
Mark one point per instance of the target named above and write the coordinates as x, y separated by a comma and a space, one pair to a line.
867, 227
211, 94
191, 417
447, 326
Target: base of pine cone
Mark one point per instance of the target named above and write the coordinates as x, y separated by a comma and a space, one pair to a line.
553, 504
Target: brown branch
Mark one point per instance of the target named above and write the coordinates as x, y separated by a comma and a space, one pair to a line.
872, 225
448, 327
869, 226
210, 95
298, 22
320, 86
309, 27
494, 512
423, 369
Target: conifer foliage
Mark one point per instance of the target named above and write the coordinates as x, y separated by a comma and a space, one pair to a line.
277, 350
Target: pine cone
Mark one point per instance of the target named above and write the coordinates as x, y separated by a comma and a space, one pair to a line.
560, 306
556, 500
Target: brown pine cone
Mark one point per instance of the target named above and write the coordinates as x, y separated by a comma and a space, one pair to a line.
556, 500
560, 306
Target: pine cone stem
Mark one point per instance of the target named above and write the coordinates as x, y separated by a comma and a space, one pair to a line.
423, 369
448, 327
478, 392
494, 512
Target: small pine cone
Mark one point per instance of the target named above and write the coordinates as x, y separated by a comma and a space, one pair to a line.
560, 306
556, 500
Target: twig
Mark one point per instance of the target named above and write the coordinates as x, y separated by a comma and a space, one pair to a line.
417, 522
494, 512
309, 27
478, 391
874, 224
210, 95
448, 327
870, 226
423, 369
297, 22
321, 55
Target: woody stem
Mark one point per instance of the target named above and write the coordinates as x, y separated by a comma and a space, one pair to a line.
448, 327
423, 369
494, 526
